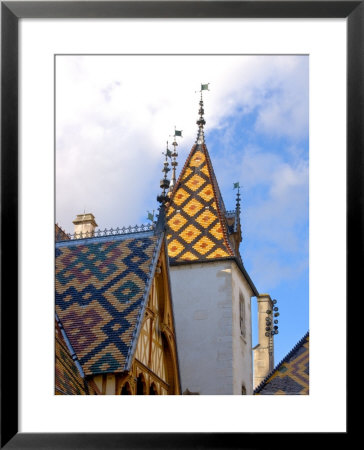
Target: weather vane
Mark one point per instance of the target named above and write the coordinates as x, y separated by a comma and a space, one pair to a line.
150, 216
201, 121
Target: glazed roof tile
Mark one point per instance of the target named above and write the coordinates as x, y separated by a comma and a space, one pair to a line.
196, 225
291, 375
102, 285
68, 380
60, 235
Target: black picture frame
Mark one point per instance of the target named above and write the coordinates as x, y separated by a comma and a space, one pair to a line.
11, 12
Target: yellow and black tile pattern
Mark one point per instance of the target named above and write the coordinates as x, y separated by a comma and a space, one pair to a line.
196, 225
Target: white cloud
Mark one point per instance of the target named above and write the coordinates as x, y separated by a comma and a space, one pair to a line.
114, 115
275, 216
285, 111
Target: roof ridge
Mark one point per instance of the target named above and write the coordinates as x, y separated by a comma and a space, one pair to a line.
63, 346
118, 231
60, 233
107, 237
182, 171
289, 354
218, 196
73, 354
59, 226
137, 329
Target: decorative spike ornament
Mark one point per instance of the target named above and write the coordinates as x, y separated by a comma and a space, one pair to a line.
174, 155
201, 121
237, 186
164, 182
238, 202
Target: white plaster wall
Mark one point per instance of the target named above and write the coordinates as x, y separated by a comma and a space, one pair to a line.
206, 312
242, 345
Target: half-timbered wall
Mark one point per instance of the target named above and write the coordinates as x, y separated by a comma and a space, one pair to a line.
149, 349
155, 355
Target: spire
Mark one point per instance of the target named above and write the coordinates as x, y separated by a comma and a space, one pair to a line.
164, 183
201, 121
174, 155
163, 197
197, 228
237, 209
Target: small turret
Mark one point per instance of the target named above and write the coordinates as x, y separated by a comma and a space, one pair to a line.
85, 225
267, 328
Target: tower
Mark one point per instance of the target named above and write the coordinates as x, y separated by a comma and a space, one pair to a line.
85, 225
211, 289
264, 351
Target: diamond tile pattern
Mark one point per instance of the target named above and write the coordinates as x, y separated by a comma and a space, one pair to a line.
175, 248
291, 376
190, 233
196, 224
192, 207
100, 290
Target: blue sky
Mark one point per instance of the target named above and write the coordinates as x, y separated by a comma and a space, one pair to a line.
114, 115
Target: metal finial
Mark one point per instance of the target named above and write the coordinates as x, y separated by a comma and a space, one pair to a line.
164, 183
201, 121
174, 155
238, 200
237, 209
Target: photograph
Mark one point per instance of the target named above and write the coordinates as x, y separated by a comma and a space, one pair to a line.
181, 224
181, 203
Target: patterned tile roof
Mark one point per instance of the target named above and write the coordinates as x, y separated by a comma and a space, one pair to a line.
196, 225
291, 375
68, 380
60, 235
102, 285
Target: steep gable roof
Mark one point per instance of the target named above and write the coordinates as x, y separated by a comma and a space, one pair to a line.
102, 285
291, 375
196, 224
60, 235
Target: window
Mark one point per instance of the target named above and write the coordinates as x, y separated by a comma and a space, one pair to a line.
153, 390
140, 385
242, 314
126, 389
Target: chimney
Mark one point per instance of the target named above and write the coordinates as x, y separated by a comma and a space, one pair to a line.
264, 351
84, 225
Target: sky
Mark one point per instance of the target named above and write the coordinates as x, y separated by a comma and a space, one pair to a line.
115, 113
